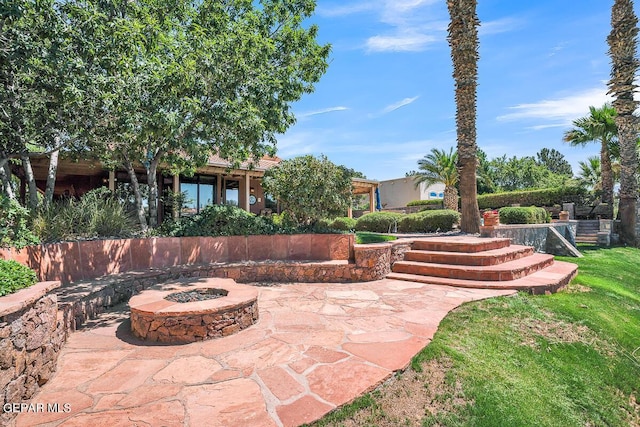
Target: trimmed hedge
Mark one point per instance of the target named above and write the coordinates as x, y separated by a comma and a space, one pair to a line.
15, 276
530, 215
429, 221
379, 222
343, 223
431, 202
544, 197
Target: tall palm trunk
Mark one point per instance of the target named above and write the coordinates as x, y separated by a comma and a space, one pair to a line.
463, 40
606, 175
624, 65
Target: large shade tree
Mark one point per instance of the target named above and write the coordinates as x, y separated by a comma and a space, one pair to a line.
624, 66
463, 40
41, 90
179, 80
600, 127
440, 167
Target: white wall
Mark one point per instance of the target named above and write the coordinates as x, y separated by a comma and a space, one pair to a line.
396, 193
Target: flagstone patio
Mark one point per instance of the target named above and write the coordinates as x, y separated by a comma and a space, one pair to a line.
314, 348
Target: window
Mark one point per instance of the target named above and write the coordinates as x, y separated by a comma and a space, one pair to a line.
433, 194
232, 192
441, 195
200, 192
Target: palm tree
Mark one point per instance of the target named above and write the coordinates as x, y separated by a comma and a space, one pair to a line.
463, 41
590, 173
598, 126
440, 167
624, 66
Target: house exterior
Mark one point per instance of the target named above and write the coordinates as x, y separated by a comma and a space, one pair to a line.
396, 193
216, 183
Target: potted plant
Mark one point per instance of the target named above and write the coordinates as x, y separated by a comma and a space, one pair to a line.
491, 218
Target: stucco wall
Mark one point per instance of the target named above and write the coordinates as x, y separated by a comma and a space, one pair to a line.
75, 261
396, 193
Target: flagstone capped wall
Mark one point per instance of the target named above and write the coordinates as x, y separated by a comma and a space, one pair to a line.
31, 335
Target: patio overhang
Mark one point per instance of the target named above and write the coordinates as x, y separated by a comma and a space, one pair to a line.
364, 186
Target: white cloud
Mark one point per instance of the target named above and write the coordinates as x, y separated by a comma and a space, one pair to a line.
498, 26
323, 111
345, 10
399, 104
400, 43
296, 144
559, 111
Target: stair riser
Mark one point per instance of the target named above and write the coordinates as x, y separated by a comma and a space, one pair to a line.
471, 274
461, 259
425, 245
536, 287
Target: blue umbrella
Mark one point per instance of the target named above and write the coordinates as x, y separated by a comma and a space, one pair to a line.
378, 203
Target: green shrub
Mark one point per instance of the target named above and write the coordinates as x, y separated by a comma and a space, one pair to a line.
430, 202
14, 225
98, 214
15, 276
379, 222
221, 220
343, 223
544, 197
429, 221
530, 215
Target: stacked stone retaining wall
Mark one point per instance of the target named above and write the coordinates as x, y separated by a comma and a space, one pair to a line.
31, 336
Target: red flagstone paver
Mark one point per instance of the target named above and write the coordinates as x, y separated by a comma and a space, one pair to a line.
302, 411
188, 370
341, 382
280, 383
314, 348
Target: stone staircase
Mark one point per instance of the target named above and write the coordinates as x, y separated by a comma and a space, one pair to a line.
587, 231
488, 263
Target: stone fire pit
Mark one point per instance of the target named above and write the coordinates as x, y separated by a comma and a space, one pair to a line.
183, 312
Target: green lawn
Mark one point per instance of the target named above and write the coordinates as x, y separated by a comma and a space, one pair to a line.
363, 237
568, 359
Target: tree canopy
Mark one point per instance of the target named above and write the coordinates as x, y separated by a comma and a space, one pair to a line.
309, 188
440, 167
163, 82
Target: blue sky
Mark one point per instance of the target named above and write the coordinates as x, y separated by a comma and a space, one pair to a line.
387, 98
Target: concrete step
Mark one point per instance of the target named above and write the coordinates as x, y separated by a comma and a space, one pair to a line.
489, 257
510, 270
587, 239
547, 280
464, 244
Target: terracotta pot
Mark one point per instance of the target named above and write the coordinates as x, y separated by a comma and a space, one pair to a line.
564, 215
491, 220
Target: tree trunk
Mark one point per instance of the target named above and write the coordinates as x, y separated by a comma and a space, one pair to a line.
624, 66
606, 176
31, 183
463, 40
142, 219
51, 178
5, 179
627, 134
450, 200
152, 171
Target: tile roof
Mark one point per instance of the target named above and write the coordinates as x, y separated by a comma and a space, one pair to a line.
266, 162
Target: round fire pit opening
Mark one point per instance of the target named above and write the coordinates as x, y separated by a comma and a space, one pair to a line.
183, 312
200, 294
